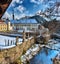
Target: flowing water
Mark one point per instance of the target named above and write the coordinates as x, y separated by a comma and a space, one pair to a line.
46, 55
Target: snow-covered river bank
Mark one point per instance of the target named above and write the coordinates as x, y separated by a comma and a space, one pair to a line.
30, 53
43, 58
46, 55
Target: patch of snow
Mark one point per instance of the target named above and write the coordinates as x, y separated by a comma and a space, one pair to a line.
7, 47
28, 52
20, 41
8, 42
23, 58
4, 40
31, 37
16, 34
20, 30
26, 30
35, 49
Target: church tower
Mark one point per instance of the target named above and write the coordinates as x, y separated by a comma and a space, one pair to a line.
8, 26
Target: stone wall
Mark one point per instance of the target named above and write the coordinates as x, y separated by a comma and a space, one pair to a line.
8, 56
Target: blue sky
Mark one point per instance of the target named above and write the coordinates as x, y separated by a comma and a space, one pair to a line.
26, 7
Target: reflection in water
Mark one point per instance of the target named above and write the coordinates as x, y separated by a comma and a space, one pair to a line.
45, 56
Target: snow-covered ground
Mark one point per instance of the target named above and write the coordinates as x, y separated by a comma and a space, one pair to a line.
26, 31
4, 40
7, 47
15, 34
8, 42
30, 53
54, 44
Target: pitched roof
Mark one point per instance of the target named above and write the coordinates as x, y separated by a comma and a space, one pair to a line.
24, 21
39, 19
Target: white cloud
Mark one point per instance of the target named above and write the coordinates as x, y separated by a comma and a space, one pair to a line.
21, 8
37, 1
17, 1
19, 16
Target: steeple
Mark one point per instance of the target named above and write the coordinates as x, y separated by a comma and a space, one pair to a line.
13, 15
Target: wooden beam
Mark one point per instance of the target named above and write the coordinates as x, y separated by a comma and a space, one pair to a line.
4, 4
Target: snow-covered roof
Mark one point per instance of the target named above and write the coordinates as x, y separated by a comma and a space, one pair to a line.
25, 21
8, 42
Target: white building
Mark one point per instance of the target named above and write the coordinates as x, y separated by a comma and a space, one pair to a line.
28, 24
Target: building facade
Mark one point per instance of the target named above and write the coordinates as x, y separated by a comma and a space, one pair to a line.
28, 26
3, 26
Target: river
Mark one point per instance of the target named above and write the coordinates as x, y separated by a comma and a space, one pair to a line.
45, 56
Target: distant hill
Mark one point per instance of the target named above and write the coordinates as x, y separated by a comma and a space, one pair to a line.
37, 19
